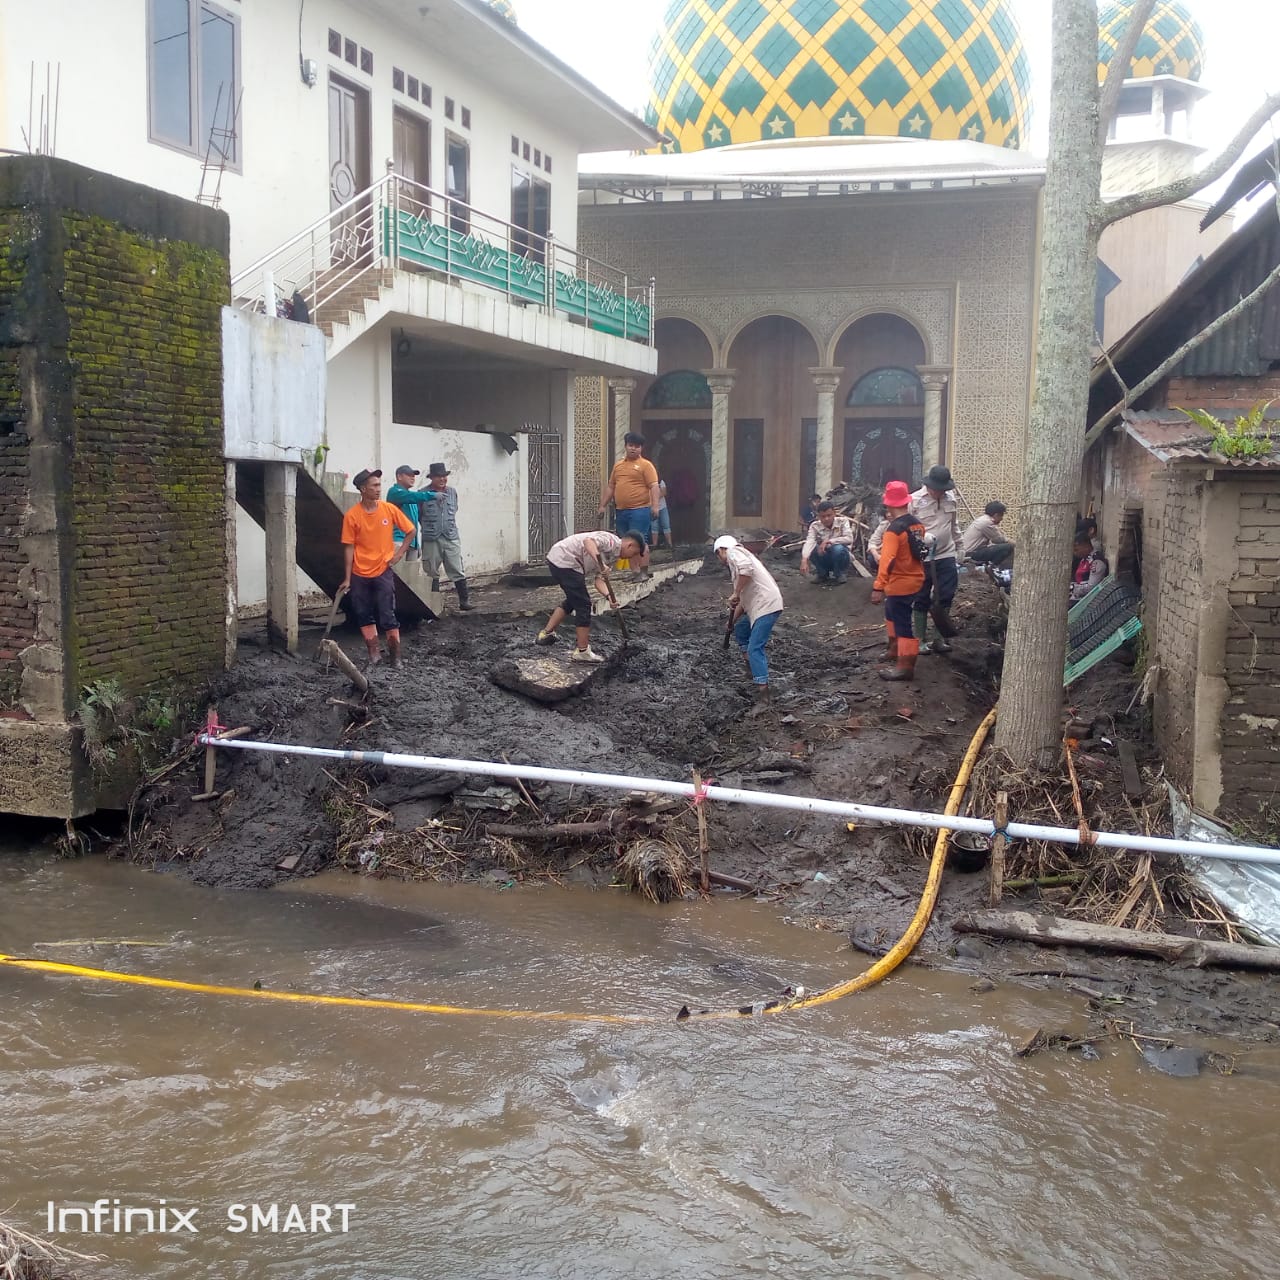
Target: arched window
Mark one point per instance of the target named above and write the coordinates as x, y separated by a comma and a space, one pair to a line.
680, 389
888, 386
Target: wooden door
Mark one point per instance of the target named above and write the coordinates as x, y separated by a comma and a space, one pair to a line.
349, 171
877, 450
681, 452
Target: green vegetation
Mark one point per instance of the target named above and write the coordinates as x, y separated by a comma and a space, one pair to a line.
113, 723
1249, 436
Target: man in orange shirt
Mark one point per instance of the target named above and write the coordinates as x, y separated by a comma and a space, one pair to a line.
633, 490
370, 549
900, 576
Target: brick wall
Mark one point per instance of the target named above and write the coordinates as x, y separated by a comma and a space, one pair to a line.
1250, 721
148, 499
1238, 395
112, 501
17, 619
1173, 597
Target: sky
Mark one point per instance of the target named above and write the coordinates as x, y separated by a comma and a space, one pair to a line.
608, 42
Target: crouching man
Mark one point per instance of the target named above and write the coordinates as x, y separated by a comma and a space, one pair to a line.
571, 561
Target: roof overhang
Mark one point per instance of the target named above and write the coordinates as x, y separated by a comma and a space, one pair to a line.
485, 45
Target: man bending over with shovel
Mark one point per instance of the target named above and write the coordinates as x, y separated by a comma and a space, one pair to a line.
570, 561
757, 603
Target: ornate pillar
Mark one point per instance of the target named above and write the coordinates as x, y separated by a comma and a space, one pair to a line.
934, 379
827, 381
721, 383
621, 389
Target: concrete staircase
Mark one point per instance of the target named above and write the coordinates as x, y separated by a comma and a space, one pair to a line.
321, 504
353, 303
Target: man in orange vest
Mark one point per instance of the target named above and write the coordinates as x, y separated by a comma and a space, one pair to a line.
370, 550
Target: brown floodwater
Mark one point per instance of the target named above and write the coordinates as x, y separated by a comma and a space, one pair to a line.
893, 1134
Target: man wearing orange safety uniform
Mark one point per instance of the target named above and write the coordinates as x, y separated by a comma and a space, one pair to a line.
899, 578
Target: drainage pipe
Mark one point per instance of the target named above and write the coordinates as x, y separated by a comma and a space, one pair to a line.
765, 800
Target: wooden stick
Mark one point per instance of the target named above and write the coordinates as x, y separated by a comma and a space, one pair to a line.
1053, 931
1049, 882
996, 889
702, 836
330, 650
556, 831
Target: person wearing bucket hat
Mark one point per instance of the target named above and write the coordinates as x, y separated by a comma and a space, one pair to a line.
757, 603
899, 577
935, 505
441, 546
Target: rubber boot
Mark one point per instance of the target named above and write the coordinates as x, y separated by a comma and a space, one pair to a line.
891, 649
906, 666
435, 584
762, 700
463, 589
941, 616
393, 647
920, 627
370, 634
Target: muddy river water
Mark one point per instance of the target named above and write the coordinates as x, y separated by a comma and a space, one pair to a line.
893, 1134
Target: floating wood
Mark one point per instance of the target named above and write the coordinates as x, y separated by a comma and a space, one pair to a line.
1053, 931
328, 649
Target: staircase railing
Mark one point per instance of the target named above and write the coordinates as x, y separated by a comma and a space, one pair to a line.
399, 223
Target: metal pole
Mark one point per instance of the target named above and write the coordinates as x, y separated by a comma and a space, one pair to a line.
766, 800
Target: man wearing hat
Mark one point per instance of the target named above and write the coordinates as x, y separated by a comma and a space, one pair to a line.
757, 604
370, 551
403, 495
935, 505
440, 544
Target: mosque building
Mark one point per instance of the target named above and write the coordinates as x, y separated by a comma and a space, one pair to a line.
843, 222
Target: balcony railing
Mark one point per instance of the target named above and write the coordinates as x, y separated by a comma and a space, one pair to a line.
401, 224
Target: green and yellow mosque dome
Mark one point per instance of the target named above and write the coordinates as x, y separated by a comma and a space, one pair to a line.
1172, 44
734, 71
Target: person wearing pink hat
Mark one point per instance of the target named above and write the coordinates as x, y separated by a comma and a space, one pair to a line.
899, 578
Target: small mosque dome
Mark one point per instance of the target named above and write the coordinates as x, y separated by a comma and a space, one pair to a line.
737, 71
1172, 44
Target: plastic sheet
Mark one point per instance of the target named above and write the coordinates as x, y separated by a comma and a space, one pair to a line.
1250, 891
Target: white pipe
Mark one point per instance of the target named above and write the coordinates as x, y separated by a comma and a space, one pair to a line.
765, 800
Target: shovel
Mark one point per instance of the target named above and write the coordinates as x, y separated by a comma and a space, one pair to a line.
622, 622
728, 627
333, 614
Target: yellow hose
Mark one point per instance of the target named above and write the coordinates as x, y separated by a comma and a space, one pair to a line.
877, 973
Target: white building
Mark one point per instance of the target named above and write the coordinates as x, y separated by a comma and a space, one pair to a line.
410, 173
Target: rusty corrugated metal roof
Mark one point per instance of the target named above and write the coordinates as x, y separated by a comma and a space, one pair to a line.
1171, 436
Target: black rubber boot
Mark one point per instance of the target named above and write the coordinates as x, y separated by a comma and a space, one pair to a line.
464, 594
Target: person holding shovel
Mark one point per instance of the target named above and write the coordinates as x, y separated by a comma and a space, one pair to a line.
899, 579
570, 561
757, 603
370, 552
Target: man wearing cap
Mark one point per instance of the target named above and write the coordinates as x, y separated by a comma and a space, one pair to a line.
899, 577
633, 489
757, 604
369, 547
441, 546
828, 545
403, 495
934, 504
570, 561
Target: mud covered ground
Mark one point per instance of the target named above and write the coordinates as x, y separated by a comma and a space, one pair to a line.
672, 701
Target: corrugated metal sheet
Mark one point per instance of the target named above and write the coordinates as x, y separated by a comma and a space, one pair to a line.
1171, 437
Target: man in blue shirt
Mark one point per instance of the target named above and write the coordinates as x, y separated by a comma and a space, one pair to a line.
403, 495
441, 546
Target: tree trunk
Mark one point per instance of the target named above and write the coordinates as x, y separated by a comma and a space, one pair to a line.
1031, 689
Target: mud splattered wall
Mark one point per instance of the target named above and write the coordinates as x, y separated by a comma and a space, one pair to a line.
112, 509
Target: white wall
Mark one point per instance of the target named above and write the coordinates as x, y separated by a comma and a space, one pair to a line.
98, 53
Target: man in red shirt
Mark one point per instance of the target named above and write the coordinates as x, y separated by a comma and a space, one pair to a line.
370, 549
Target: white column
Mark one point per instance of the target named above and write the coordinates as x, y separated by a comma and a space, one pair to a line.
721, 383
281, 485
621, 389
827, 381
934, 379
232, 622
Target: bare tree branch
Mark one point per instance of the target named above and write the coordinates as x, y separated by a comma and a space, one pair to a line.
1118, 67
1181, 188
1100, 427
